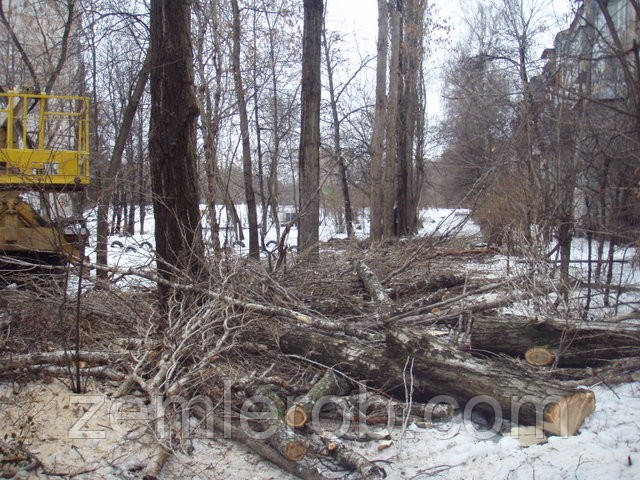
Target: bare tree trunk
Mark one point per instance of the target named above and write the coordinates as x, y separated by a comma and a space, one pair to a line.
141, 180
108, 180
412, 60
391, 153
210, 118
272, 184
264, 206
337, 151
403, 147
309, 153
172, 145
254, 248
419, 155
377, 142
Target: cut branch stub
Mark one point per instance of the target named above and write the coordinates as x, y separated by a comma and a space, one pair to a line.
539, 356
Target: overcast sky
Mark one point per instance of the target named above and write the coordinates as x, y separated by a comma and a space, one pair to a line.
358, 20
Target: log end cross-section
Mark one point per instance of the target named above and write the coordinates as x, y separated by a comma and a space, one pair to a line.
296, 417
567, 415
539, 356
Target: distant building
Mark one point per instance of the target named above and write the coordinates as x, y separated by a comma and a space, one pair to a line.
39, 25
582, 61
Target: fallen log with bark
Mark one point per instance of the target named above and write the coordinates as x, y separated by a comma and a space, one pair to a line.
444, 280
500, 389
13, 362
438, 368
561, 343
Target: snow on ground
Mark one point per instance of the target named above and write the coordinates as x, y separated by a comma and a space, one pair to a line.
606, 447
137, 250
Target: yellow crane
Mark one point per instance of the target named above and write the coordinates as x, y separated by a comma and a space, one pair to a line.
44, 149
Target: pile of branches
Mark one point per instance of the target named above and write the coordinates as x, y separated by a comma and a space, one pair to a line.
380, 332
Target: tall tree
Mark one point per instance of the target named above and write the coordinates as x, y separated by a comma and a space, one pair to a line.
172, 145
391, 152
309, 153
108, 180
411, 54
254, 248
377, 143
337, 149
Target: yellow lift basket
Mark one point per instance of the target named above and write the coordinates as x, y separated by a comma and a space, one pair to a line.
44, 142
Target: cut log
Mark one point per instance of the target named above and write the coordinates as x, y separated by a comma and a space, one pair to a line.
364, 362
539, 357
330, 384
497, 388
352, 460
291, 445
588, 344
265, 451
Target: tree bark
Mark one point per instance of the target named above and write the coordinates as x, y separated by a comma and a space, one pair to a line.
254, 247
309, 153
377, 142
440, 369
574, 346
337, 150
391, 152
172, 145
517, 395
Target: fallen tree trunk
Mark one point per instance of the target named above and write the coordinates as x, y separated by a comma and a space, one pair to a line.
57, 371
496, 388
358, 361
439, 369
372, 285
56, 358
330, 384
445, 280
265, 451
589, 344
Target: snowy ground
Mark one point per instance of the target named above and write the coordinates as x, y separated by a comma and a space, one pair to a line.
137, 250
606, 448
